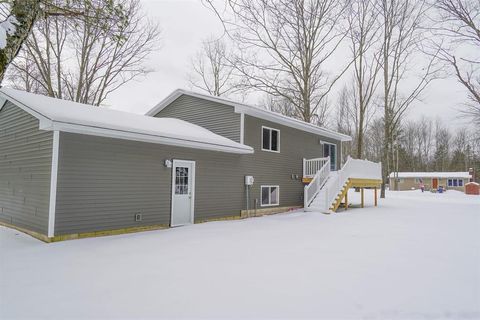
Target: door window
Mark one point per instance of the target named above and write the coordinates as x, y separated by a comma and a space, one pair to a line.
330, 150
181, 180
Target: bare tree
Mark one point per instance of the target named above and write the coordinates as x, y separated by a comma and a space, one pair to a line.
459, 22
374, 140
346, 118
20, 17
403, 35
283, 47
212, 71
364, 36
426, 138
427, 145
442, 147
461, 158
104, 60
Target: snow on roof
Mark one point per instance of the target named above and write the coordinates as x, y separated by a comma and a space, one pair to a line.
253, 111
431, 175
68, 116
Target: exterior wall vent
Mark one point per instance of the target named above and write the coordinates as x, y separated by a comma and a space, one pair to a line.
138, 217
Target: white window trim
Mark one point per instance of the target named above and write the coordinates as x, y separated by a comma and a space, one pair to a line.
53, 185
261, 139
458, 183
269, 196
336, 152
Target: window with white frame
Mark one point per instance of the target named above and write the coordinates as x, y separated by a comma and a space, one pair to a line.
270, 139
330, 150
455, 182
270, 195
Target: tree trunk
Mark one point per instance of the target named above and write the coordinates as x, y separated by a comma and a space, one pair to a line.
26, 13
386, 119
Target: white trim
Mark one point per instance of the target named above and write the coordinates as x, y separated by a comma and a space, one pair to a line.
47, 123
252, 111
26, 108
2, 103
242, 128
151, 138
53, 184
269, 196
336, 153
192, 197
341, 154
443, 175
278, 137
458, 182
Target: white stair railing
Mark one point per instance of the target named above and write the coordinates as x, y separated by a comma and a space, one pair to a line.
312, 166
353, 168
336, 184
319, 179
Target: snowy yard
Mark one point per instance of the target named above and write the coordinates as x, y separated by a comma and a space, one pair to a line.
415, 256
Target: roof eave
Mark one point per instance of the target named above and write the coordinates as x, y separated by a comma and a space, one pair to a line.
165, 102
253, 111
270, 116
127, 135
46, 123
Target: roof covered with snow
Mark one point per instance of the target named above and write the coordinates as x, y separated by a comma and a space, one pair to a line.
68, 116
253, 111
431, 175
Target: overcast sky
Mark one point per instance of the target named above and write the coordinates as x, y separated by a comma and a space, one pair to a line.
185, 23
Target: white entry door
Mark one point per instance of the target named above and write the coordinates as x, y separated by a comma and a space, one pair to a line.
183, 188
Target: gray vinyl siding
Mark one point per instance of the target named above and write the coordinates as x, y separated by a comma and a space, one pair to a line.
25, 167
272, 168
103, 182
216, 117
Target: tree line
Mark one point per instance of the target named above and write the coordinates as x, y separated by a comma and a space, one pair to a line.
391, 52
424, 144
387, 52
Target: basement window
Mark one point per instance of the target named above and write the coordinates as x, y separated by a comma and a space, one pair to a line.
270, 139
270, 195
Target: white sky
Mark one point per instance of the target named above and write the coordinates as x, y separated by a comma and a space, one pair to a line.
185, 23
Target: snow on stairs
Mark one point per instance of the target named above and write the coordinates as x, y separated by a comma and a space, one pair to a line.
319, 202
327, 189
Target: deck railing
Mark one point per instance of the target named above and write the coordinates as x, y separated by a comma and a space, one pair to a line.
331, 184
312, 166
319, 179
353, 168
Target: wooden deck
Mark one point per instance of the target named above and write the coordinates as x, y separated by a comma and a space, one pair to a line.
355, 183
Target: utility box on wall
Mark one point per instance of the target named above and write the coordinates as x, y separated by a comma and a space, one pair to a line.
249, 180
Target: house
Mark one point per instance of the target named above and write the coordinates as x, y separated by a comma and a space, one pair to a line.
431, 180
69, 170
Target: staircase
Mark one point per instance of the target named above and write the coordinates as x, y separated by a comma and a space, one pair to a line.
327, 189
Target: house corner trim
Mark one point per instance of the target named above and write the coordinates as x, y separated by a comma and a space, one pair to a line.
53, 184
242, 128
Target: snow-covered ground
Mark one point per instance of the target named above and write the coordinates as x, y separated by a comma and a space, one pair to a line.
415, 256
